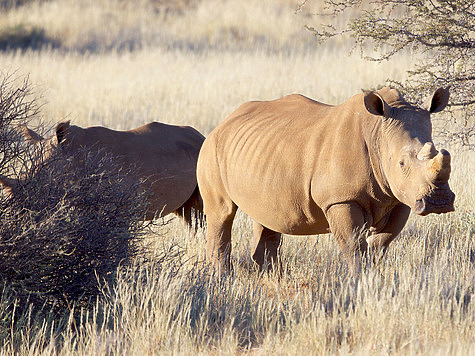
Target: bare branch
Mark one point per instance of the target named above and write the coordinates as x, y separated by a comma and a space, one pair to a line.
442, 32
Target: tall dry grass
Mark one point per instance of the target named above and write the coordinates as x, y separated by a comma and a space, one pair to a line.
120, 64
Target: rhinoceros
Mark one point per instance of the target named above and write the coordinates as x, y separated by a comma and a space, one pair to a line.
161, 156
299, 167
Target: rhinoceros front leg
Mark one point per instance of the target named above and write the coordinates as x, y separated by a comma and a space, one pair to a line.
347, 224
266, 246
378, 242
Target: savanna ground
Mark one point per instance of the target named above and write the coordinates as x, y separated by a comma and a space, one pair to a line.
121, 64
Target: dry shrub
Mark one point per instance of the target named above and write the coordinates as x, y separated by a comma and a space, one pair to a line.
66, 229
18, 107
71, 221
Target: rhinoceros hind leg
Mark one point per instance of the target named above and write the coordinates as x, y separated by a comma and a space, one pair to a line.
266, 247
220, 211
218, 237
218, 206
347, 224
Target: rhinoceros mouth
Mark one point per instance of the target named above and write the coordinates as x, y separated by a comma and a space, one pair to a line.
439, 201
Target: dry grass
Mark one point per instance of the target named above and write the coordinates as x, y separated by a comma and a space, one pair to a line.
194, 67
184, 87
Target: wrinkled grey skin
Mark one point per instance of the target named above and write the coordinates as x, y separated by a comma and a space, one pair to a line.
300, 167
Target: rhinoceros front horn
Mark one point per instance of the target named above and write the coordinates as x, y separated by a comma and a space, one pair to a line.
428, 151
440, 167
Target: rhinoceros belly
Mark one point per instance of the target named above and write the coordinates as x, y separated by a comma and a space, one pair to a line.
292, 218
273, 187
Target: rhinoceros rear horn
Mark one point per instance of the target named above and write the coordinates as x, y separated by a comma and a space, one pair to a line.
438, 101
30, 135
440, 167
376, 105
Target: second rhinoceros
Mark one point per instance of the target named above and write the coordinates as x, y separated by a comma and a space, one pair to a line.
300, 167
162, 157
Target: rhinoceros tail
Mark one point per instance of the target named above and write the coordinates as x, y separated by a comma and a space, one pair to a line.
192, 211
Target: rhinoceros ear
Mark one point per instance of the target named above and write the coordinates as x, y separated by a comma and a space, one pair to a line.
30, 135
376, 105
61, 130
438, 101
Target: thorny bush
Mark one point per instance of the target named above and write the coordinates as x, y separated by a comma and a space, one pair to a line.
71, 222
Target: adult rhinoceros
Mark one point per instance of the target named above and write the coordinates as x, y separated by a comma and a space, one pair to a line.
162, 156
299, 167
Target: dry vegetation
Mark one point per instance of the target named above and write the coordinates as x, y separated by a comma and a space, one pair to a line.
121, 64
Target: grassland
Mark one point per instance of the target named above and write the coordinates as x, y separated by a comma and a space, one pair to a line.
121, 64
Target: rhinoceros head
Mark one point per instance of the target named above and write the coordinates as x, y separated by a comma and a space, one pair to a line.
415, 171
44, 149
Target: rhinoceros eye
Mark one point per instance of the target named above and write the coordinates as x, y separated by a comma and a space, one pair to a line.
401, 163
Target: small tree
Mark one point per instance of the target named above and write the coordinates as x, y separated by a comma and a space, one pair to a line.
71, 219
441, 31
68, 228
